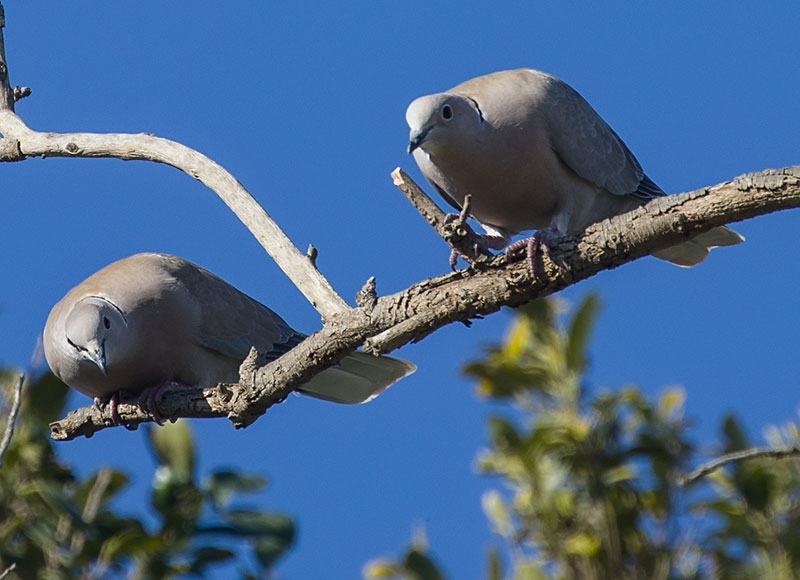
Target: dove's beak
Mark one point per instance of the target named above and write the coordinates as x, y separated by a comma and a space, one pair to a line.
417, 138
97, 354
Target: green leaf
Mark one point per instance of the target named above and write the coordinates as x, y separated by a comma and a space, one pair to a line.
495, 565
727, 508
173, 446
256, 523
671, 402
503, 434
130, 542
756, 486
539, 312
43, 401
208, 555
223, 484
581, 544
580, 331
106, 482
734, 434
269, 549
379, 569
529, 571
498, 513
619, 473
421, 567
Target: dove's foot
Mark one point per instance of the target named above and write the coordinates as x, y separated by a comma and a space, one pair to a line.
113, 404
148, 400
538, 241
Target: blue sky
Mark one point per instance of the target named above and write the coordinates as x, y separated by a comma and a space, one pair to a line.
304, 103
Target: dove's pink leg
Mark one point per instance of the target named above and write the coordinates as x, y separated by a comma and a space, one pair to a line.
113, 403
540, 240
148, 400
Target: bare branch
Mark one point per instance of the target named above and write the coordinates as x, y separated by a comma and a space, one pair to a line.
6, 92
29, 143
12, 416
21, 93
754, 453
388, 322
456, 232
8, 571
20, 142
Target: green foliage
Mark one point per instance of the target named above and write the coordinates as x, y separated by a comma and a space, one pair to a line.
55, 525
414, 565
590, 480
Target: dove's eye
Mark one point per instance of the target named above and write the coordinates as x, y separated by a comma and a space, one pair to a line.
106, 322
447, 112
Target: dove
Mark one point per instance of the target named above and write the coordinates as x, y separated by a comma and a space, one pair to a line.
153, 319
533, 155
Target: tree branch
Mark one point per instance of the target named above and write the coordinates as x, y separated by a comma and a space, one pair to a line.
457, 233
754, 453
6, 92
20, 142
12, 417
388, 322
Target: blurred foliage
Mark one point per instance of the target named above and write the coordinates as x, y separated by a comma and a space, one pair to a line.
590, 480
414, 565
54, 524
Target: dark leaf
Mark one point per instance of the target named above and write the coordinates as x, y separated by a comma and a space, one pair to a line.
735, 436
255, 523
223, 484
207, 556
173, 446
580, 330
268, 550
420, 566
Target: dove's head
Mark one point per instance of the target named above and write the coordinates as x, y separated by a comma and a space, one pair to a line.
441, 121
96, 330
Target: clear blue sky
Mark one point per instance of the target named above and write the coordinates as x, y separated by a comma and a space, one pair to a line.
304, 102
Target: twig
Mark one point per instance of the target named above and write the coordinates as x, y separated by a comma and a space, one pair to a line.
93, 501
12, 417
6, 92
8, 571
456, 232
21, 92
311, 255
20, 142
754, 453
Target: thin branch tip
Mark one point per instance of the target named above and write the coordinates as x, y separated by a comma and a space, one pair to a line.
311, 255
754, 453
464, 214
21, 92
12, 416
367, 297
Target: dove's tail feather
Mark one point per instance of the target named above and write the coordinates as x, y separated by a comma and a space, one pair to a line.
358, 378
695, 250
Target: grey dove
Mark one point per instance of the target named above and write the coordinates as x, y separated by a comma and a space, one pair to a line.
152, 319
533, 154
